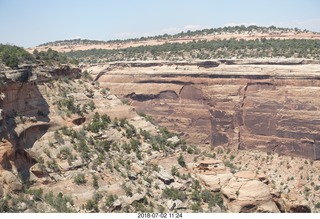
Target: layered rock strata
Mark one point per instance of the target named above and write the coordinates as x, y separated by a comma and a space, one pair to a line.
24, 113
264, 104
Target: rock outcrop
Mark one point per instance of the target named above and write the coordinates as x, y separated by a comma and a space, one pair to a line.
24, 113
264, 104
294, 203
245, 193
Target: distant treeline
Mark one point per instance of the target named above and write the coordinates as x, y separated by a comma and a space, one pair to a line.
12, 56
220, 30
227, 48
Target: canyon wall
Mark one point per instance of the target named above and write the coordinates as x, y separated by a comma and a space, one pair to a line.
24, 112
269, 105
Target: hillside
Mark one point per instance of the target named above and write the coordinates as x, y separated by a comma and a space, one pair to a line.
68, 145
213, 34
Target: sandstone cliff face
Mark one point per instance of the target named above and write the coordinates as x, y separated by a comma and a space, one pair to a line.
281, 118
24, 114
58, 135
269, 105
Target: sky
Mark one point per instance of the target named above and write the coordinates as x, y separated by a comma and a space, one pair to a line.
28, 23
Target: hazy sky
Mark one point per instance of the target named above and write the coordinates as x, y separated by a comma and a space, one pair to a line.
31, 22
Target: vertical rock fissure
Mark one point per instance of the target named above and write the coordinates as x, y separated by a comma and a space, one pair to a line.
241, 114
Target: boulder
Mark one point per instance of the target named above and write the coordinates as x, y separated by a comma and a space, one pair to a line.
254, 190
6, 154
173, 139
176, 205
244, 193
215, 182
294, 203
246, 174
39, 170
136, 168
180, 205
165, 176
116, 205
231, 190
22, 206
11, 182
211, 181
132, 175
171, 205
125, 200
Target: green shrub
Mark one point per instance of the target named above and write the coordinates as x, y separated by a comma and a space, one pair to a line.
92, 205
110, 199
92, 105
58, 137
64, 153
95, 182
174, 171
37, 194
127, 190
53, 165
196, 207
195, 196
79, 179
174, 194
181, 161
59, 202
230, 165
4, 206
98, 123
86, 75
145, 134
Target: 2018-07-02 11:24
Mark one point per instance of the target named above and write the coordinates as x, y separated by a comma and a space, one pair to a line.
159, 215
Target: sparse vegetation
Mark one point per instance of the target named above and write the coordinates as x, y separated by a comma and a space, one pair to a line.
95, 182
218, 49
174, 171
60, 203
92, 205
174, 194
181, 161
79, 179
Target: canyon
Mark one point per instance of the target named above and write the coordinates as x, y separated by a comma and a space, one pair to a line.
264, 104
68, 144
218, 120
